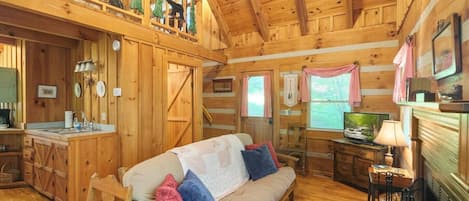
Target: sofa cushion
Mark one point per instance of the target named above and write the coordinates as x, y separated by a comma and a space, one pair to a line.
192, 189
259, 162
167, 191
268, 188
271, 150
146, 176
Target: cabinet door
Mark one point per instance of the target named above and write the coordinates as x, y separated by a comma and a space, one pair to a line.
361, 171
44, 181
61, 188
61, 160
43, 153
343, 166
44, 167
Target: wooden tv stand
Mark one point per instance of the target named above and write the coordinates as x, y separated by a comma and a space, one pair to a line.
351, 161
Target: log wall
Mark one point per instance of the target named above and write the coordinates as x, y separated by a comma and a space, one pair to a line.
373, 47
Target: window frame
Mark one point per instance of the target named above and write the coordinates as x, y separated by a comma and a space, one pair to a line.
308, 109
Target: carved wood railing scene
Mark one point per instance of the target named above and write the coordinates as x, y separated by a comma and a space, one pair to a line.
175, 17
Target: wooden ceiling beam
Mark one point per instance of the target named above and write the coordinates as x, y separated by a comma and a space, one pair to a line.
302, 16
218, 14
18, 18
349, 13
30, 35
261, 19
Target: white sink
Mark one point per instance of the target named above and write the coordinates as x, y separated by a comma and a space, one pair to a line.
67, 130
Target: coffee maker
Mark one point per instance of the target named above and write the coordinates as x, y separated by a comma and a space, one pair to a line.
5, 118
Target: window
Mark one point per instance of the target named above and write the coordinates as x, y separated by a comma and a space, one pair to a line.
329, 100
256, 96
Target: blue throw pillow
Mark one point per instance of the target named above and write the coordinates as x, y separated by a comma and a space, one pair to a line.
259, 162
192, 189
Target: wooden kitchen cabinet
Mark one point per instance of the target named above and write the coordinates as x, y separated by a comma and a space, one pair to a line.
61, 168
12, 157
351, 161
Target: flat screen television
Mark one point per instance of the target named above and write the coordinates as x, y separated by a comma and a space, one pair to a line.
363, 127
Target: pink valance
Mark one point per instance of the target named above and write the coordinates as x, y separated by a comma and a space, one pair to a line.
355, 94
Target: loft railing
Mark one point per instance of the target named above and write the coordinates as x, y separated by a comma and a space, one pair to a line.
172, 17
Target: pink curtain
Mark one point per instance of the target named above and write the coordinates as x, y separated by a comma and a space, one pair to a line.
355, 94
267, 95
244, 96
404, 64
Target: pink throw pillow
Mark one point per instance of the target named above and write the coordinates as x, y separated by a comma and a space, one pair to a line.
167, 191
271, 150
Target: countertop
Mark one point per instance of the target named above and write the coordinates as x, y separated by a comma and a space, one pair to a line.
9, 131
64, 137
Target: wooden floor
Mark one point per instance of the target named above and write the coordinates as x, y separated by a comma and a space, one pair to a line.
309, 188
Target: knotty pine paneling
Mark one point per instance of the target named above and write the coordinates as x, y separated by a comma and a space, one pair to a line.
251, 45
97, 109
47, 65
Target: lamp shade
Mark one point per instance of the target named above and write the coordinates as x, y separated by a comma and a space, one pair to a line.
391, 134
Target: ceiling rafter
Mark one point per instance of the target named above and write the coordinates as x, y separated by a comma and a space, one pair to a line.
302, 16
261, 19
218, 14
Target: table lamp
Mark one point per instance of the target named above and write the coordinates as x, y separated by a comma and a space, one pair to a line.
391, 135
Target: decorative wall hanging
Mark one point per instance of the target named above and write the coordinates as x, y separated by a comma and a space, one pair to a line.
446, 47
77, 90
101, 89
223, 85
290, 90
46, 91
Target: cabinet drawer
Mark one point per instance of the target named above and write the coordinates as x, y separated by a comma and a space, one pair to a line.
366, 154
28, 141
28, 155
343, 158
28, 173
360, 152
343, 171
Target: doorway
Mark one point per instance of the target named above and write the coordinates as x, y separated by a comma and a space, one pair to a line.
180, 105
256, 105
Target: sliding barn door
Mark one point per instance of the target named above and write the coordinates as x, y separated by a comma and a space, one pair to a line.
180, 106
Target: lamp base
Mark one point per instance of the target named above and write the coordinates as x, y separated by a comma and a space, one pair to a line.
388, 159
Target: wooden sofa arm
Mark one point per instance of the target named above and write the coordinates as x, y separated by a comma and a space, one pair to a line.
290, 160
120, 172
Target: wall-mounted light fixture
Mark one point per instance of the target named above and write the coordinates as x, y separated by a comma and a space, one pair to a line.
85, 66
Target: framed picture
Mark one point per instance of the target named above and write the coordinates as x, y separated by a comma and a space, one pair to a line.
446, 48
46, 91
223, 85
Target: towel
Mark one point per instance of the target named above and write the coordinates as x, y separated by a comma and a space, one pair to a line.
217, 162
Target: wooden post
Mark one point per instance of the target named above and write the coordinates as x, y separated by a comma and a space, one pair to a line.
184, 23
166, 13
146, 12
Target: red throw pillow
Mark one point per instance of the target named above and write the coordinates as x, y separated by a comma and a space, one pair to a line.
167, 191
271, 150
